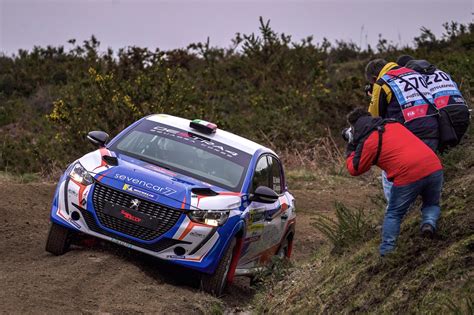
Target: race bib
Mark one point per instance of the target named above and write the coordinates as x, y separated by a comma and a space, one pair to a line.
444, 90
406, 86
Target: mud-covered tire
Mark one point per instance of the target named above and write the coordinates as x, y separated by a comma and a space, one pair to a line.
59, 239
216, 283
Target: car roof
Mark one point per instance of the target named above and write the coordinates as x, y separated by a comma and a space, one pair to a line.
220, 135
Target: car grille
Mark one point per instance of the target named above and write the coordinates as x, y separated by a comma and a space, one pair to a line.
167, 217
156, 246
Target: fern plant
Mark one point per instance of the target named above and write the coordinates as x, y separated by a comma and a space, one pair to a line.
351, 226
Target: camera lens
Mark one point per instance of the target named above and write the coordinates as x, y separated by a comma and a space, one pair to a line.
344, 134
368, 89
347, 134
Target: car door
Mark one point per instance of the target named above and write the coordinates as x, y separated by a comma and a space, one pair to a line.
254, 243
275, 217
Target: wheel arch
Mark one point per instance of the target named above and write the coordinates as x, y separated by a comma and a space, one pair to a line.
239, 236
290, 235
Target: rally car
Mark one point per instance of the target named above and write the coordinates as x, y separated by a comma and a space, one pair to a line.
182, 191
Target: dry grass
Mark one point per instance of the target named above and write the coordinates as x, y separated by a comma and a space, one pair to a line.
320, 154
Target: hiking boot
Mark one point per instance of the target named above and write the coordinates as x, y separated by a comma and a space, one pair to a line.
427, 231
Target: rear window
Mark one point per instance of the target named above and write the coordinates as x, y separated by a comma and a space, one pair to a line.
186, 153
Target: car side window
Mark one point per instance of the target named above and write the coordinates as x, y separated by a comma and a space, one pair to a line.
262, 174
276, 179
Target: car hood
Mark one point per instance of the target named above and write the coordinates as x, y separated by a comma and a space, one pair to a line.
151, 182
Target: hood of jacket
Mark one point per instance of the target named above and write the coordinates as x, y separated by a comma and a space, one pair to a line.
389, 66
364, 126
421, 66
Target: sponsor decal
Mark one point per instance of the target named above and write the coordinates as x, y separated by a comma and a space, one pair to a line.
114, 240
175, 257
130, 216
73, 192
137, 191
197, 234
209, 145
138, 182
255, 227
415, 112
256, 215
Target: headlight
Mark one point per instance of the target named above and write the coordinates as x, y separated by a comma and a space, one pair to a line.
209, 217
81, 175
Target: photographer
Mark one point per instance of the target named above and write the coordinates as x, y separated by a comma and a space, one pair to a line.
392, 96
412, 166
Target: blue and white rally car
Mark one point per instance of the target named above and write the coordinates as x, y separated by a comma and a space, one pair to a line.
182, 191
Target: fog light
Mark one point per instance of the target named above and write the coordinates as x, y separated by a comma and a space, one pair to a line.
75, 215
179, 251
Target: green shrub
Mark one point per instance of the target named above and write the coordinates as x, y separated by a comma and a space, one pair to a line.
350, 228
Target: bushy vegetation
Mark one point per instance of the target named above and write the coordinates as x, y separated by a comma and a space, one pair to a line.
265, 87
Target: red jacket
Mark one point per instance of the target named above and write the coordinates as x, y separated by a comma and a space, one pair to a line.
403, 156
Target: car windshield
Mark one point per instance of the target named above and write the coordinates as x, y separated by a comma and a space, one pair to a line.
186, 153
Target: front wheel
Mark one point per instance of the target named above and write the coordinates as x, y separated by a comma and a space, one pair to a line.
215, 283
59, 239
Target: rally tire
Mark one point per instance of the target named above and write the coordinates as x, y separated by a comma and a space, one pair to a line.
216, 283
59, 239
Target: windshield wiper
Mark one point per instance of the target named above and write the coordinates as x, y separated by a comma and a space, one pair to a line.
154, 163
143, 159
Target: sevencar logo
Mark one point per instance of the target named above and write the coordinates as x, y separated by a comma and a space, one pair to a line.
138, 182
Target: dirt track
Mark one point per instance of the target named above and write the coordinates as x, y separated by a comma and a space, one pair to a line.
106, 278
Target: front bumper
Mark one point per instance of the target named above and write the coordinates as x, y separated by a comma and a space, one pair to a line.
203, 245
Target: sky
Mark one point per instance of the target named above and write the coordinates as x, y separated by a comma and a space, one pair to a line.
176, 23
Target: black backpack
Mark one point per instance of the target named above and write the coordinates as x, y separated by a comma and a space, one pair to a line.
453, 121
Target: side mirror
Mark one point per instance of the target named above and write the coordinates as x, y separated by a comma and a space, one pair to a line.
98, 138
264, 194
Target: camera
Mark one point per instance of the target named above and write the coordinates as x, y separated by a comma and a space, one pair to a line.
368, 89
348, 134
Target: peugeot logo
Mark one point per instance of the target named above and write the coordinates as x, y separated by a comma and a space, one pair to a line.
135, 204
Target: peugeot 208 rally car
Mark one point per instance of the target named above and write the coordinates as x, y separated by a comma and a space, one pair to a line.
182, 191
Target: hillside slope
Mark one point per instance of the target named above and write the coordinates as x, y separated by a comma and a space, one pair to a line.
102, 277
423, 276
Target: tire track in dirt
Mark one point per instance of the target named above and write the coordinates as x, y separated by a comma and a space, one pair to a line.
107, 278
